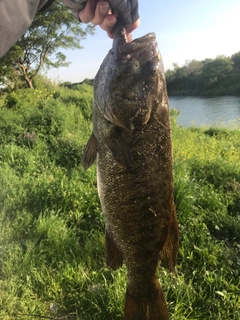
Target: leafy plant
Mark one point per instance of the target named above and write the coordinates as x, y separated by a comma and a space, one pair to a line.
51, 30
52, 227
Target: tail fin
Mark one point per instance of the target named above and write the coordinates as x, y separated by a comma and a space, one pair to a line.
168, 254
143, 309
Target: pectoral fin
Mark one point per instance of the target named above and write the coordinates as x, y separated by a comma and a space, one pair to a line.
168, 254
90, 152
121, 151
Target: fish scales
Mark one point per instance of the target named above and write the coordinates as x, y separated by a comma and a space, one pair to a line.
132, 145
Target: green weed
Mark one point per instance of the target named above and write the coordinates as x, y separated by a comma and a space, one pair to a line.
52, 227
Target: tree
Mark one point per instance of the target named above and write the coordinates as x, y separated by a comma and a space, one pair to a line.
194, 67
215, 70
54, 29
236, 59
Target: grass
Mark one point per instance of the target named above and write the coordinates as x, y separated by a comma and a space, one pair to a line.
52, 228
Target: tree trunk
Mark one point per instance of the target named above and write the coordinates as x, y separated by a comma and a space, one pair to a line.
29, 82
23, 69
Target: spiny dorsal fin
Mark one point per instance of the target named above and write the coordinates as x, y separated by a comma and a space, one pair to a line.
90, 152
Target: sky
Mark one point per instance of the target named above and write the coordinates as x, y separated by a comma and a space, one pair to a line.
185, 30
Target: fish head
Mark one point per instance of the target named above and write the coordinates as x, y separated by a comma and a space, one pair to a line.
130, 80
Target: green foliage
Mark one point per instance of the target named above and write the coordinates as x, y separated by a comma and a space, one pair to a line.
52, 228
211, 77
236, 59
52, 30
174, 114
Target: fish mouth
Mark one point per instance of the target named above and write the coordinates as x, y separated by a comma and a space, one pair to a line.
138, 44
123, 45
141, 54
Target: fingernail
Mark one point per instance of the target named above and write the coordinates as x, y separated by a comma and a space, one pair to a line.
104, 10
110, 21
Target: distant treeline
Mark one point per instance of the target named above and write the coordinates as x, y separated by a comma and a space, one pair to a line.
210, 77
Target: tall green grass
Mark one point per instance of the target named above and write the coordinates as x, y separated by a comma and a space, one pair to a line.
52, 227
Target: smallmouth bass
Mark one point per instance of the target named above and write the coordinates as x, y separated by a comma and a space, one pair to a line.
131, 143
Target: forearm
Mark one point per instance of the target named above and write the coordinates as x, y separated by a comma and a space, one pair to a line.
15, 18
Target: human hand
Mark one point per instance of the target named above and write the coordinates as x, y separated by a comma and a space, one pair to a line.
99, 13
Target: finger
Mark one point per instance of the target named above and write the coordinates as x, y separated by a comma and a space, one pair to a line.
109, 23
129, 28
87, 14
101, 12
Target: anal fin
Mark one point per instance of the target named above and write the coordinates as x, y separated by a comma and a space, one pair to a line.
114, 258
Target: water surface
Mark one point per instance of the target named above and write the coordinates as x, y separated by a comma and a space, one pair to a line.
200, 111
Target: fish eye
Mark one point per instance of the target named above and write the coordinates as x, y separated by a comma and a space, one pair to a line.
149, 68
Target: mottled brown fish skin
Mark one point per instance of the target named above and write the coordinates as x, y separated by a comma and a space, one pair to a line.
132, 143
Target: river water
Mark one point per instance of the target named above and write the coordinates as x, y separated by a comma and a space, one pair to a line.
199, 111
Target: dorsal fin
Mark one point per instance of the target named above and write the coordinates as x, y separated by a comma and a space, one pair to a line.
90, 152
